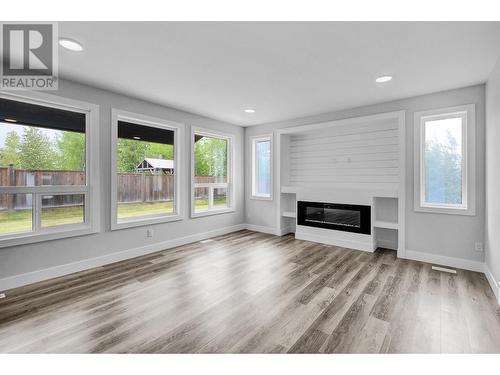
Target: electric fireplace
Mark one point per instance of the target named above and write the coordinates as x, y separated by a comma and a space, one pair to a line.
344, 217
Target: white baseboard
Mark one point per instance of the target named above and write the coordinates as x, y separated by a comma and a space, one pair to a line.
65, 269
495, 285
442, 260
263, 229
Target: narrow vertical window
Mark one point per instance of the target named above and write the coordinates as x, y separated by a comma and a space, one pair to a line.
443, 161
445, 140
211, 173
262, 167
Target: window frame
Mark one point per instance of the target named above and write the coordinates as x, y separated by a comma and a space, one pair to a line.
140, 119
468, 115
254, 179
90, 190
230, 171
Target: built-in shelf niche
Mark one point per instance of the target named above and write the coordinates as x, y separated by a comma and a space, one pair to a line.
386, 222
290, 214
385, 212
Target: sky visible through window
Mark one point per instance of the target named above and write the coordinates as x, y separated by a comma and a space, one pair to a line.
263, 167
6, 128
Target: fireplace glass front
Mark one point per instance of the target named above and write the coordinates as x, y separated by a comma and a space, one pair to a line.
345, 217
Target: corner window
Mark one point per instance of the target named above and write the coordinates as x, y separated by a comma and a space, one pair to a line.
445, 161
212, 187
145, 170
47, 186
262, 167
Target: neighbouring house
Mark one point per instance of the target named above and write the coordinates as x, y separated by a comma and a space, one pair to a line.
156, 166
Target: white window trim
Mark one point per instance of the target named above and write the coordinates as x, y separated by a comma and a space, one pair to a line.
230, 172
90, 190
468, 207
178, 129
253, 143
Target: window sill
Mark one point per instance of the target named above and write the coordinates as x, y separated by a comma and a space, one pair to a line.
212, 212
145, 221
446, 210
261, 198
47, 235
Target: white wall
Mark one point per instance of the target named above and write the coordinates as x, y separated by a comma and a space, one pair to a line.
437, 234
493, 173
110, 245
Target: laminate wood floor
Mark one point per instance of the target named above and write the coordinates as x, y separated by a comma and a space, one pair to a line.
250, 292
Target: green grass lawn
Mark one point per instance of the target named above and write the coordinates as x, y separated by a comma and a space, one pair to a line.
20, 220
129, 210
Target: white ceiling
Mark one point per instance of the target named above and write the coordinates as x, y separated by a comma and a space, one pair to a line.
283, 70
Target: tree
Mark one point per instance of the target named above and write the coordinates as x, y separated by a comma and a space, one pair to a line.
71, 151
160, 151
443, 169
35, 150
9, 154
211, 157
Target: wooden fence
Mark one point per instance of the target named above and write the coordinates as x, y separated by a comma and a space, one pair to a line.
132, 187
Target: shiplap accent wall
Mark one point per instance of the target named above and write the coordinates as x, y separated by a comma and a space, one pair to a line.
355, 154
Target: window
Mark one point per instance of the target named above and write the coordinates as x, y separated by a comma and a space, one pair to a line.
212, 188
48, 154
145, 178
262, 167
445, 160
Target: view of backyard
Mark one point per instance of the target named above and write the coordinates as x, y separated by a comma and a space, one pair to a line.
20, 220
33, 156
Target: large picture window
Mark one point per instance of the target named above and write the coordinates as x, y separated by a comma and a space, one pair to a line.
262, 167
211, 173
45, 177
445, 149
145, 170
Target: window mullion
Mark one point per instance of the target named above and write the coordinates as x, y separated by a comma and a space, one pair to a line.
210, 197
37, 212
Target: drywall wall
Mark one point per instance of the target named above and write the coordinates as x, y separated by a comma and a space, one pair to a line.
66, 255
492, 258
451, 236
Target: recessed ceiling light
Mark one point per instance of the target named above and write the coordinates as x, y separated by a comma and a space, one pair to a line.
10, 119
136, 137
249, 110
383, 79
70, 44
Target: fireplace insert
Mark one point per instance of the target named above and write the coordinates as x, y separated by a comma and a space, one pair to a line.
345, 217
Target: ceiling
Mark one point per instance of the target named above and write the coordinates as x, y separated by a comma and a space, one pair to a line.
283, 70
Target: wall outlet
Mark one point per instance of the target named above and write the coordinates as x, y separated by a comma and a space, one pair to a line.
478, 246
149, 233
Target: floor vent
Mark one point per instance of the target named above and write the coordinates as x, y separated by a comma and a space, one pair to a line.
444, 269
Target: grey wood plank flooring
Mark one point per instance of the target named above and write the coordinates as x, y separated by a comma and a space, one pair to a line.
249, 292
